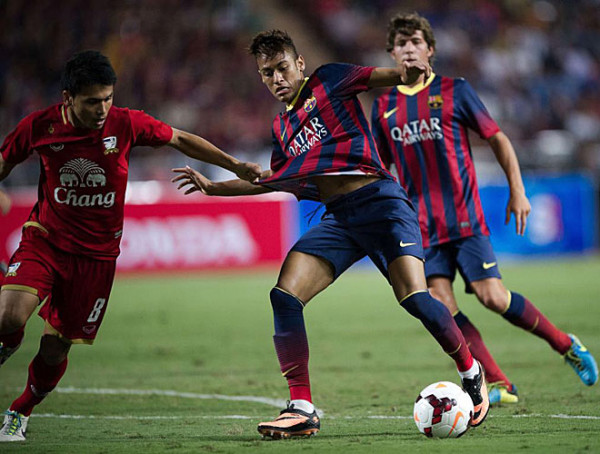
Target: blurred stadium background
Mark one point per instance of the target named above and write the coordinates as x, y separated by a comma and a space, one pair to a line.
536, 65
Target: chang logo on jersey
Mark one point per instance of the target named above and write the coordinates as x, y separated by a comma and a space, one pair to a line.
308, 136
417, 131
82, 173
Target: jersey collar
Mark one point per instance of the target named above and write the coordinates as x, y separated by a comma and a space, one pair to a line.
63, 113
409, 91
290, 106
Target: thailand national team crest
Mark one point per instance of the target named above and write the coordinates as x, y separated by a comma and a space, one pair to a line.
310, 104
110, 145
435, 102
12, 269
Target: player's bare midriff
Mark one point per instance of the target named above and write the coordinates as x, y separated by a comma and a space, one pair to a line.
336, 185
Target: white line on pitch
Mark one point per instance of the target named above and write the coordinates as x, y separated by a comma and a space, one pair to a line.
162, 417
532, 415
278, 403
143, 418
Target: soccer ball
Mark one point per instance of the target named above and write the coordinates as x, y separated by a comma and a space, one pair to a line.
443, 410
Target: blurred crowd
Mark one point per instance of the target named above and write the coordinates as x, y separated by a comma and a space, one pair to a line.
535, 64
182, 61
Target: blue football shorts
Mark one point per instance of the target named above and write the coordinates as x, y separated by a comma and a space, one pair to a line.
376, 220
472, 256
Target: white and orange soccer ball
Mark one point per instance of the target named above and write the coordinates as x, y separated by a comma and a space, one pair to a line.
443, 410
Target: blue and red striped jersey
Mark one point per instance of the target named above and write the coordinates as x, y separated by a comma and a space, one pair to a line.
324, 132
423, 131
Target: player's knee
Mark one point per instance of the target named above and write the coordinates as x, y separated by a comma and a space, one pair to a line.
53, 350
446, 299
283, 301
12, 313
494, 300
434, 315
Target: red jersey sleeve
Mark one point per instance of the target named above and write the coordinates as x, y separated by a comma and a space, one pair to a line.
17, 145
148, 130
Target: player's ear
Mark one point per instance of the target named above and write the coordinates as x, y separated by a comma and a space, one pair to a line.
67, 98
430, 52
300, 63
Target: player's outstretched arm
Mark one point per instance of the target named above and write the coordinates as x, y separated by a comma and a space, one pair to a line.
193, 181
405, 74
201, 149
518, 203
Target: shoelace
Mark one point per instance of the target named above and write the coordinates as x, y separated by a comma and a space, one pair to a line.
497, 384
573, 358
15, 424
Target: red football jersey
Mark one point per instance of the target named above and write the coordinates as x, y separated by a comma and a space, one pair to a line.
81, 193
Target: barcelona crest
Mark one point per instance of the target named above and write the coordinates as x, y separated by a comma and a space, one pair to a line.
435, 102
310, 104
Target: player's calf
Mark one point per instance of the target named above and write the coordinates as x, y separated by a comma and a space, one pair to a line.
10, 343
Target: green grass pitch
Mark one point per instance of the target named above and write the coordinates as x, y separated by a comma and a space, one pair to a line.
207, 338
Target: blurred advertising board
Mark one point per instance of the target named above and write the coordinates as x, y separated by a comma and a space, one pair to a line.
169, 232
563, 219
166, 231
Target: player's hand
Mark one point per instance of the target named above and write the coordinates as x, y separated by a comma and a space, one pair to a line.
5, 203
248, 171
518, 204
190, 177
412, 70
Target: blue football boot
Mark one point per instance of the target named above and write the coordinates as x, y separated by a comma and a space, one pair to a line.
501, 394
582, 361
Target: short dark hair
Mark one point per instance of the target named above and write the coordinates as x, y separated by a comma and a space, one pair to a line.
407, 24
87, 68
272, 42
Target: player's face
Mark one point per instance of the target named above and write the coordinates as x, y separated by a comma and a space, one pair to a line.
89, 108
411, 48
283, 74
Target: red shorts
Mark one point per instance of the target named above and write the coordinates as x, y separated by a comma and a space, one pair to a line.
74, 289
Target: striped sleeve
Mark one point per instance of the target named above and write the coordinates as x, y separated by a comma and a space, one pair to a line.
471, 111
344, 79
379, 136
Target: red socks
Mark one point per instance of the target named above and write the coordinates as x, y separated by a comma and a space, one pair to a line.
291, 343
479, 350
522, 313
42, 379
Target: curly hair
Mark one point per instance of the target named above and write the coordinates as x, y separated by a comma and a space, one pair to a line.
407, 24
